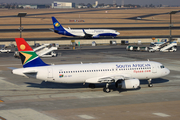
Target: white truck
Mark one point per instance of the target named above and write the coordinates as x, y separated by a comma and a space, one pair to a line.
3, 50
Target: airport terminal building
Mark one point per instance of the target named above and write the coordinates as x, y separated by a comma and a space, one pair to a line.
57, 4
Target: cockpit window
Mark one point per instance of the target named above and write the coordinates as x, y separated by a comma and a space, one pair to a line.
162, 66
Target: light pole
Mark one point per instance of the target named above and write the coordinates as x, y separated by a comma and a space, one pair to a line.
21, 15
172, 12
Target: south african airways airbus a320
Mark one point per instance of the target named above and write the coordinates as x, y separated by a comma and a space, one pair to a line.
125, 75
86, 33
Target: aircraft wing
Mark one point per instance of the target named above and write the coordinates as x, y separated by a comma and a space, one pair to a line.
12, 68
51, 29
107, 79
86, 35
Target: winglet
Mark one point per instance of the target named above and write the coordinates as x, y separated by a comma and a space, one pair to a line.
28, 57
86, 35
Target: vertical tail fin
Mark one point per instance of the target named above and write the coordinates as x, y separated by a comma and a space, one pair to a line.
28, 57
57, 25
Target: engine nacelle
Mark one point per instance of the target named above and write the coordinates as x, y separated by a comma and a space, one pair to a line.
128, 84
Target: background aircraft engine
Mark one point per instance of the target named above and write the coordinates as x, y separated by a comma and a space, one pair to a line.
128, 84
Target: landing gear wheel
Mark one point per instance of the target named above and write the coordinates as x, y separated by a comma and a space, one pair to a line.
92, 86
150, 85
107, 90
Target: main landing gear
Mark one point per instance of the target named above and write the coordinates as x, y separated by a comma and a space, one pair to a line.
92, 86
106, 89
149, 83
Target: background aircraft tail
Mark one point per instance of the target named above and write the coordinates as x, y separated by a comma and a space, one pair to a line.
28, 57
57, 25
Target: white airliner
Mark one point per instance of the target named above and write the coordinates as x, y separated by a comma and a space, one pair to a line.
86, 33
125, 75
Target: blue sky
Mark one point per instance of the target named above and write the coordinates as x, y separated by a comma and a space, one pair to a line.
139, 2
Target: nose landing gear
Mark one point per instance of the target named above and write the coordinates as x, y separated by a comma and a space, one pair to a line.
149, 83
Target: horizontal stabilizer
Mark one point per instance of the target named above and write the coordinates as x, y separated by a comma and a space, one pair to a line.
51, 30
29, 71
12, 68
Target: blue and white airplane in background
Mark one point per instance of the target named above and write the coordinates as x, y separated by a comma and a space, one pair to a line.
86, 33
125, 75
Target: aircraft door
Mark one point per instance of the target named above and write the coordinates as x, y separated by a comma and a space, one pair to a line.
50, 73
154, 69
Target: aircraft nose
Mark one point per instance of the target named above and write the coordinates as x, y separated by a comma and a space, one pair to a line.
167, 71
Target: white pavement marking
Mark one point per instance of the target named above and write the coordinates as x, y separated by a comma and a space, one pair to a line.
85, 95
24, 114
176, 76
86, 117
161, 114
4, 83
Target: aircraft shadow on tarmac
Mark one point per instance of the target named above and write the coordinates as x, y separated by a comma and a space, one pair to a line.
53, 85
154, 81
142, 82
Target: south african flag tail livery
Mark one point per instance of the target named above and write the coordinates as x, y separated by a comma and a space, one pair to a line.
28, 57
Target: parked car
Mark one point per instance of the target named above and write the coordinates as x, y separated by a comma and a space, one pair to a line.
3, 50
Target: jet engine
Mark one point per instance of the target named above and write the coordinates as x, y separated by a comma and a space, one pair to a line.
128, 84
